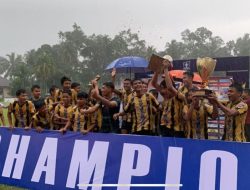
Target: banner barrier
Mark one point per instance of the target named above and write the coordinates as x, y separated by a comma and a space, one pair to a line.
51, 160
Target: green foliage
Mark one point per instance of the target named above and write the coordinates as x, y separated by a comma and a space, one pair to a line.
78, 56
242, 46
200, 43
21, 77
13, 61
4, 65
81, 57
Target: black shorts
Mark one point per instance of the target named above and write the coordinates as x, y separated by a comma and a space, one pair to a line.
143, 132
166, 132
127, 126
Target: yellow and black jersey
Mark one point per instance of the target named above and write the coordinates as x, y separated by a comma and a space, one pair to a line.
197, 125
155, 120
142, 109
234, 125
96, 117
184, 90
44, 122
79, 120
58, 96
62, 111
1, 115
50, 101
172, 114
125, 97
22, 113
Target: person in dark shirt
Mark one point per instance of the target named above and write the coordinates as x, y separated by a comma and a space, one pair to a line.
109, 106
36, 95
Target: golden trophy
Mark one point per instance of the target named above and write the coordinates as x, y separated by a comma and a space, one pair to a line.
205, 67
97, 78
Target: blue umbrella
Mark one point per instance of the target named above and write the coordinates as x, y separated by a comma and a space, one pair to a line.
129, 64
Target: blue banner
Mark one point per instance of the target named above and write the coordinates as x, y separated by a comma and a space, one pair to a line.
50, 160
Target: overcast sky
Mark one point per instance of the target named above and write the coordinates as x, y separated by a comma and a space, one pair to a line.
27, 24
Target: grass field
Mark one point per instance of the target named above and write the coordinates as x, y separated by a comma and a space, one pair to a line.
6, 187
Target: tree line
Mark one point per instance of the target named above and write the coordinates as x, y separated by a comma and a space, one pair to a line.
82, 57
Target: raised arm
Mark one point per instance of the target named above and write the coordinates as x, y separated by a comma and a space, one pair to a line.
113, 76
168, 80
154, 82
91, 109
104, 101
229, 112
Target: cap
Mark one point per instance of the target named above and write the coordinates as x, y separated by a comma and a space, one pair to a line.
168, 57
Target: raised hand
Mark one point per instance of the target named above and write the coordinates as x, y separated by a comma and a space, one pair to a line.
212, 98
116, 116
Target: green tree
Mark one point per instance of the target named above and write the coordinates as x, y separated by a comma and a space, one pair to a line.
3, 65
71, 44
81, 57
175, 49
20, 77
44, 68
200, 43
12, 62
100, 50
242, 46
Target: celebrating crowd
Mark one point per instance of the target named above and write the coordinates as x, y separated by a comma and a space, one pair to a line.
133, 109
